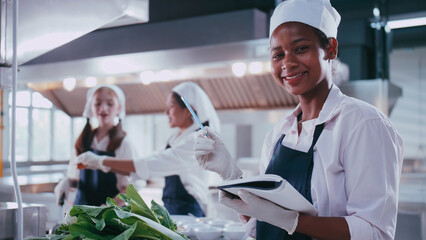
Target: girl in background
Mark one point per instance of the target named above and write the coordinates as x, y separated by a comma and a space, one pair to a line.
107, 104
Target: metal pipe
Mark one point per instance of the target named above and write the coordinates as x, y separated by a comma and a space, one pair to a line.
1, 130
19, 213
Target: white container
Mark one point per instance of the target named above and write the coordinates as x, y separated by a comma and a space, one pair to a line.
208, 233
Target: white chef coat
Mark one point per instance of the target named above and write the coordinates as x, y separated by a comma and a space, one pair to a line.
124, 151
179, 160
357, 163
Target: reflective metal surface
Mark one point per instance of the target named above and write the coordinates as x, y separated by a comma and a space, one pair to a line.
44, 25
35, 217
379, 92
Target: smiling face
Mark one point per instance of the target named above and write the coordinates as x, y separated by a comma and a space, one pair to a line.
179, 116
299, 61
105, 106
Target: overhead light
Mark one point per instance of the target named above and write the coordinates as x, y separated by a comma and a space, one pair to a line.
404, 23
69, 84
147, 77
376, 12
90, 81
407, 20
239, 69
255, 67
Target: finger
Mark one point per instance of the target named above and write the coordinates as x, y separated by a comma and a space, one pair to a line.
233, 203
205, 148
211, 133
201, 133
248, 197
201, 153
204, 141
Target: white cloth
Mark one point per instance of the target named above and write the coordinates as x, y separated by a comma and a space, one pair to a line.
200, 102
87, 113
125, 151
316, 13
180, 160
357, 163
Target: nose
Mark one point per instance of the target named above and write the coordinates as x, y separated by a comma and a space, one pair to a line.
289, 62
103, 107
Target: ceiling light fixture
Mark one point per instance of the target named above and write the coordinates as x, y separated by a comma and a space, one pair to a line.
239, 69
69, 84
90, 81
147, 77
407, 20
255, 67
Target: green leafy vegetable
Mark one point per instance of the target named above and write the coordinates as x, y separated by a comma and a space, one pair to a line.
135, 220
163, 216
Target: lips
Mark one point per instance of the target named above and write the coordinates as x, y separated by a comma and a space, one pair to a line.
294, 79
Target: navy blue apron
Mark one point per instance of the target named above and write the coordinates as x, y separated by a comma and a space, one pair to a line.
177, 200
296, 167
95, 186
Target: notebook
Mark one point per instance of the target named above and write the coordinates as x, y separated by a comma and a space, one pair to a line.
273, 188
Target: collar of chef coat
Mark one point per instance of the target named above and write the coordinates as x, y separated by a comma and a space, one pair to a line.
328, 111
175, 138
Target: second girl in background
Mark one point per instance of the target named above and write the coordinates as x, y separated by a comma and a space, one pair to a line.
186, 186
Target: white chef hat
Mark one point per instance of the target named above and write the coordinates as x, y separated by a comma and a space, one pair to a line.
315, 13
120, 94
198, 99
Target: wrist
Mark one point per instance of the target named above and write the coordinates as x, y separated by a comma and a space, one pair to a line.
295, 222
102, 163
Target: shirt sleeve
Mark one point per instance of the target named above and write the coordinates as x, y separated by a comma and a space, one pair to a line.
174, 160
125, 151
372, 161
72, 170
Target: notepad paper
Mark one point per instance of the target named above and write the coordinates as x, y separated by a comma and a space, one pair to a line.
273, 188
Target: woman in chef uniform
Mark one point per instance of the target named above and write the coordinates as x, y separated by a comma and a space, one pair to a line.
186, 186
341, 154
107, 104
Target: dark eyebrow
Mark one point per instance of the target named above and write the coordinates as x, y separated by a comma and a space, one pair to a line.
275, 48
299, 40
292, 43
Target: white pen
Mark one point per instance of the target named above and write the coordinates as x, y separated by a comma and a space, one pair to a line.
193, 113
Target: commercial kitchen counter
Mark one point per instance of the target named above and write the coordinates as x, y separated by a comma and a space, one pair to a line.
35, 217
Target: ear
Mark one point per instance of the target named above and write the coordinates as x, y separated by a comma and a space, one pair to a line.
119, 109
189, 112
331, 50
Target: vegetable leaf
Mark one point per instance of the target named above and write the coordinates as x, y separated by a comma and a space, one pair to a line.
137, 204
92, 211
113, 222
163, 216
87, 230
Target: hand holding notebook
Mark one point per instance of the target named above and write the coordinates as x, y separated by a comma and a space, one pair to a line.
263, 210
272, 188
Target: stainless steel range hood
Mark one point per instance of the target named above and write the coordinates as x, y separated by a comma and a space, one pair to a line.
381, 93
248, 92
47, 24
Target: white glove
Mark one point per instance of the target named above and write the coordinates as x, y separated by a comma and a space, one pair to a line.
92, 161
68, 220
61, 190
261, 209
212, 155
